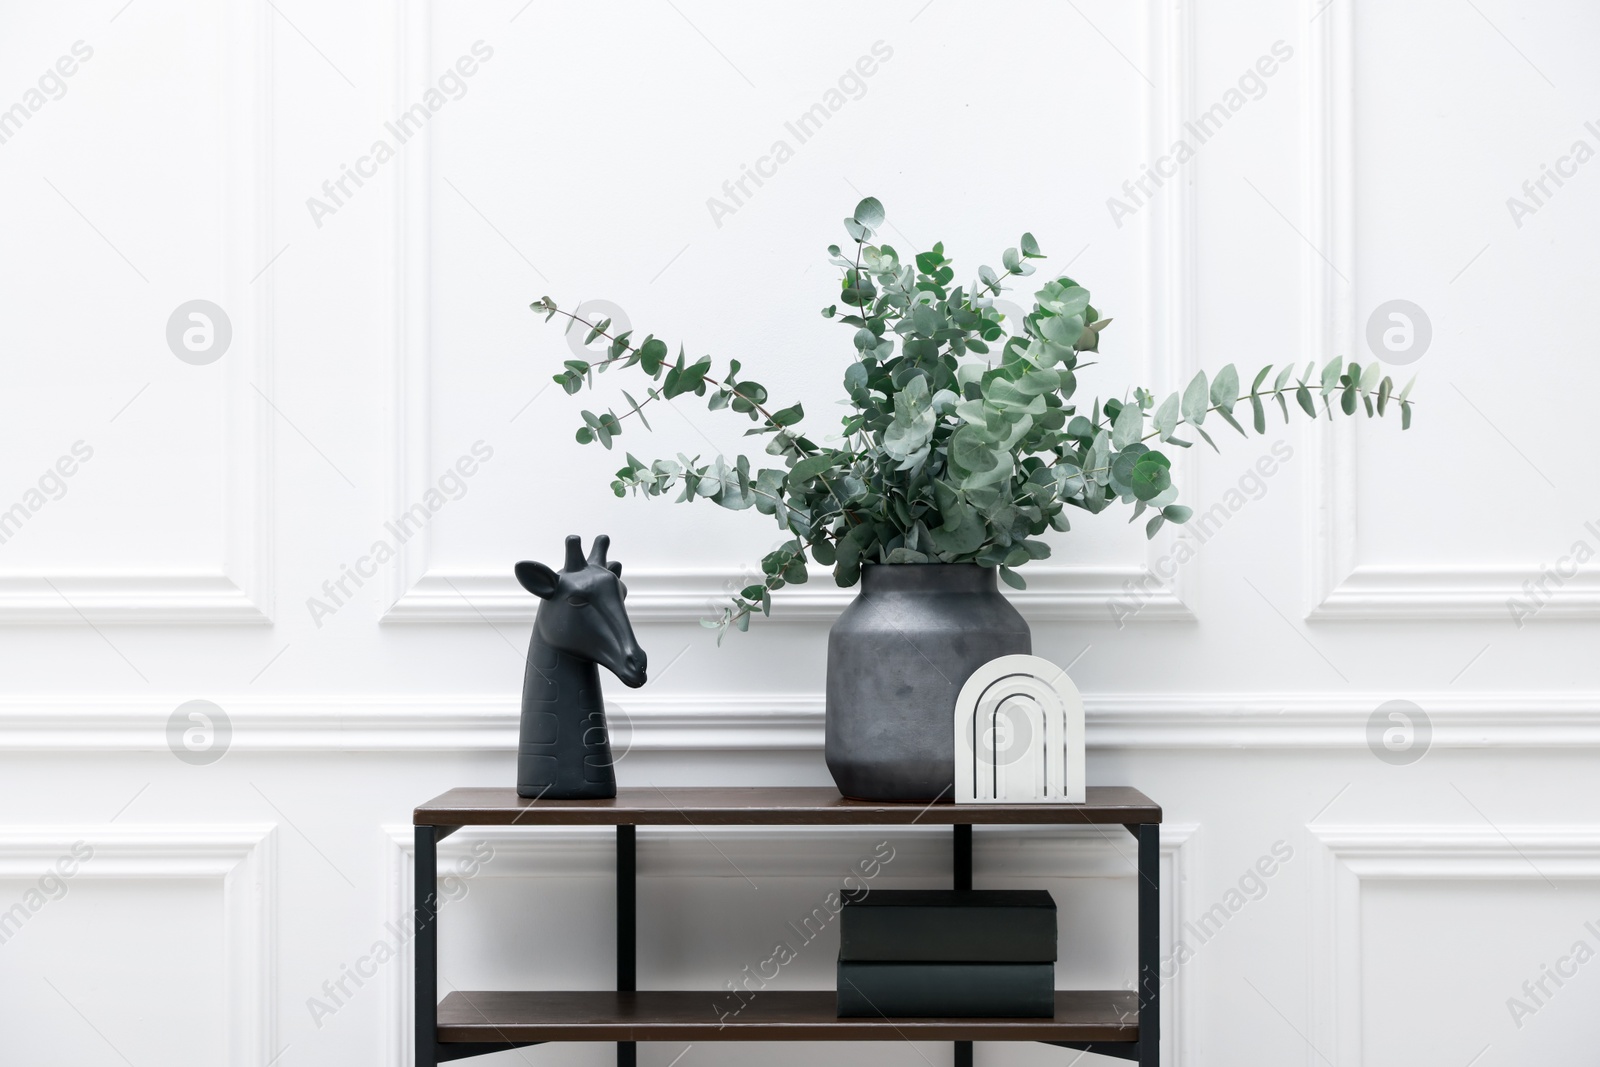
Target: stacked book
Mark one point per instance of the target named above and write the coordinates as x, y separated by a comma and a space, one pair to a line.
947, 953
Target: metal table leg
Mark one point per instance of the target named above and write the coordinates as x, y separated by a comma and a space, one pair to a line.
425, 949
963, 880
1149, 945
627, 930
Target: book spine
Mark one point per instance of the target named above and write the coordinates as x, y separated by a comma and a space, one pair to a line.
946, 990
946, 935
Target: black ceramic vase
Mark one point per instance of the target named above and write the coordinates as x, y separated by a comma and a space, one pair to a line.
897, 658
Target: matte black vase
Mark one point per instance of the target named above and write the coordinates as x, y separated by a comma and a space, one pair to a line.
897, 658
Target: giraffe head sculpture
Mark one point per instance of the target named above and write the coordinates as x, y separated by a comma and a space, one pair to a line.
582, 613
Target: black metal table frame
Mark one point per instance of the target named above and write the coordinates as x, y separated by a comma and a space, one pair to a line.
430, 1052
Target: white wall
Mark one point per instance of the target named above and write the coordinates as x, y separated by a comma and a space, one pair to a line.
374, 345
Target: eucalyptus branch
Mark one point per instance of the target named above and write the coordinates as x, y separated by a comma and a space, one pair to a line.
944, 459
630, 351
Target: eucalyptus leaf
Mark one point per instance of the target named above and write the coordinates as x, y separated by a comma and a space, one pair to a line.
1330, 377
1303, 396
1166, 417
812, 466
869, 213
966, 533
1225, 389
1152, 474
1195, 400
1227, 416
1369, 376
1129, 426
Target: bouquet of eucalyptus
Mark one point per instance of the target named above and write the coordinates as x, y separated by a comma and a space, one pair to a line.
965, 441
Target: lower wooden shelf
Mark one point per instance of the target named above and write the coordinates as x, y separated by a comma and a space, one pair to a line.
795, 1015
467, 1024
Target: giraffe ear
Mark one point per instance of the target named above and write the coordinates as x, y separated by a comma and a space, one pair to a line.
537, 579
616, 568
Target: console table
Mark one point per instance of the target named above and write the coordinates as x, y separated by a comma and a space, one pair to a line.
1111, 1022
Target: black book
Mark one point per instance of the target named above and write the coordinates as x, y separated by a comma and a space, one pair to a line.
947, 990
949, 926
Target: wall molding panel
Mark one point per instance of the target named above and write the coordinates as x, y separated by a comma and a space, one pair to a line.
1338, 585
417, 592
1054, 594
240, 590
1329, 313
240, 858
410, 423
732, 722
1369, 592
1349, 857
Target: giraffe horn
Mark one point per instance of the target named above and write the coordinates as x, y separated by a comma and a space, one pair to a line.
574, 554
597, 551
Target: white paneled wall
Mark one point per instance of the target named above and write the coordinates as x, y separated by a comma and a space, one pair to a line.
1237, 181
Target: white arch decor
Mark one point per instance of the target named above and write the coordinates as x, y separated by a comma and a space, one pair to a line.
1019, 734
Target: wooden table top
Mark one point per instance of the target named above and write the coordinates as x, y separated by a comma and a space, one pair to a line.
770, 1015
772, 806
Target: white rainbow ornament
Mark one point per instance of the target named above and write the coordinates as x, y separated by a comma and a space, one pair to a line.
1019, 734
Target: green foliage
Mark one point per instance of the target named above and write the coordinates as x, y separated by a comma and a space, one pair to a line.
965, 441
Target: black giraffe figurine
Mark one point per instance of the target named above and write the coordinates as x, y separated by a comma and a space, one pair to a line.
564, 752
